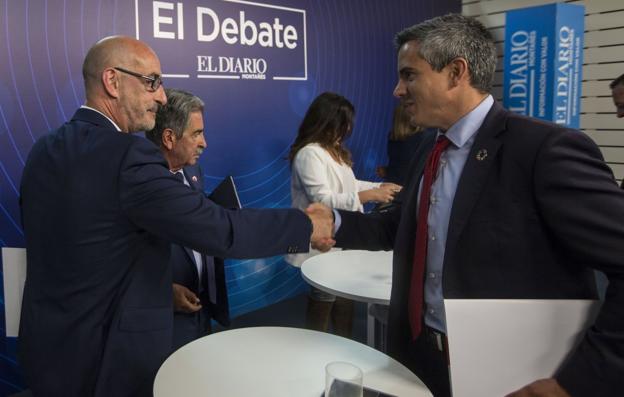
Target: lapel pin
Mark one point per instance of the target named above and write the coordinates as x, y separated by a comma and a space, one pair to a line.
194, 178
482, 154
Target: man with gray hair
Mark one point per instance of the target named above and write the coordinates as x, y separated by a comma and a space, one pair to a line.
498, 206
199, 288
179, 129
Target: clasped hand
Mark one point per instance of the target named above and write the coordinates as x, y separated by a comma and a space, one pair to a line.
322, 219
184, 300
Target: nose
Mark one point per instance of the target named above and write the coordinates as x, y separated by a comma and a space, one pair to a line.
202, 141
399, 90
160, 96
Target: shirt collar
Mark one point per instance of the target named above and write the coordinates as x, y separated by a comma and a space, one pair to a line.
186, 182
466, 127
108, 118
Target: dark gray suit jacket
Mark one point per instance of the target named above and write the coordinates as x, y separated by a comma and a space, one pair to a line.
530, 220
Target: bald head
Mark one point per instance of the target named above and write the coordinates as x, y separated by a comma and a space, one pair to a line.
112, 51
119, 74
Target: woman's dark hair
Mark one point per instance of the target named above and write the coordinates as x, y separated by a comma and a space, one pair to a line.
328, 122
401, 127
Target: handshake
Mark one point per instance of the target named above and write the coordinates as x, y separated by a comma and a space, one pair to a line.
322, 218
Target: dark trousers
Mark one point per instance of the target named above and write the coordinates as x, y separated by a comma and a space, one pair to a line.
429, 363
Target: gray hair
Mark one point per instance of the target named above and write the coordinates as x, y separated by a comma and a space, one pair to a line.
175, 114
444, 38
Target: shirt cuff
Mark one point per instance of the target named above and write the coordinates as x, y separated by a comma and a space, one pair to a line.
337, 221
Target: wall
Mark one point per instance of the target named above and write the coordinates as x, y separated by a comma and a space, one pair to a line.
603, 61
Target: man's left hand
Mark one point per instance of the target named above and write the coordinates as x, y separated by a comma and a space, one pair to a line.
541, 388
184, 300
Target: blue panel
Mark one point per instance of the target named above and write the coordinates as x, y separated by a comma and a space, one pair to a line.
543, 62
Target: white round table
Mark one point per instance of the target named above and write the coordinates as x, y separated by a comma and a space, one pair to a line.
364, 276
275, 362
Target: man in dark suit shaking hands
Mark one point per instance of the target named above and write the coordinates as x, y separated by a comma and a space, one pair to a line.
497, 206
100, 210
199, 288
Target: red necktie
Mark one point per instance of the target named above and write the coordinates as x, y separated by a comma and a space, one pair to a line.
415, 304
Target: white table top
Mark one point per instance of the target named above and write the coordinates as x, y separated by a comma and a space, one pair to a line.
275, 362
364, 276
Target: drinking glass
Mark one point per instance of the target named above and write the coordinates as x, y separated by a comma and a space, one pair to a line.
343, 379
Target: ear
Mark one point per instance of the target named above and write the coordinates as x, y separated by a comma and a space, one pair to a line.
110, 81
458, 72
168, 139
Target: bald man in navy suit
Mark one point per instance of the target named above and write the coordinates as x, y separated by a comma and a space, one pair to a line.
100, 210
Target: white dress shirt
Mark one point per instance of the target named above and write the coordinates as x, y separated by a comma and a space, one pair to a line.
462, 135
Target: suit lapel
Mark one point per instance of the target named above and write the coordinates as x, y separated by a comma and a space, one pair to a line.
480, 161
189, 253
192, 179
193, 176
409, 196
420, 158
193, 183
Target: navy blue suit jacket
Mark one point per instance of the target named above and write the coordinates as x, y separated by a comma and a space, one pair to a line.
528, 221
100, 210
188, 327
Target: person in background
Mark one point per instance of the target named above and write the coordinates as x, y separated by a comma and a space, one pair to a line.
100, 210
321, 172
497, 206
617, 93
402, 144
199, 288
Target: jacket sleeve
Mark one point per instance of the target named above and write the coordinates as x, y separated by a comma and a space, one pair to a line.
156, 202
373, 231
310, 167
366, 185
584, 208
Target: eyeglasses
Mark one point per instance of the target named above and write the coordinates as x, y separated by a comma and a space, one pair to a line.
153, 82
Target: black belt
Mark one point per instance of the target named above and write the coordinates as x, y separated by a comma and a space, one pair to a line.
437, 338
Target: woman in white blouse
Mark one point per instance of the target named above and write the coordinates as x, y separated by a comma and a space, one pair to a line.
321, 172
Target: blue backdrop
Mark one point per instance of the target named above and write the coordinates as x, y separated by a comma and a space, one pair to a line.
256, 65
